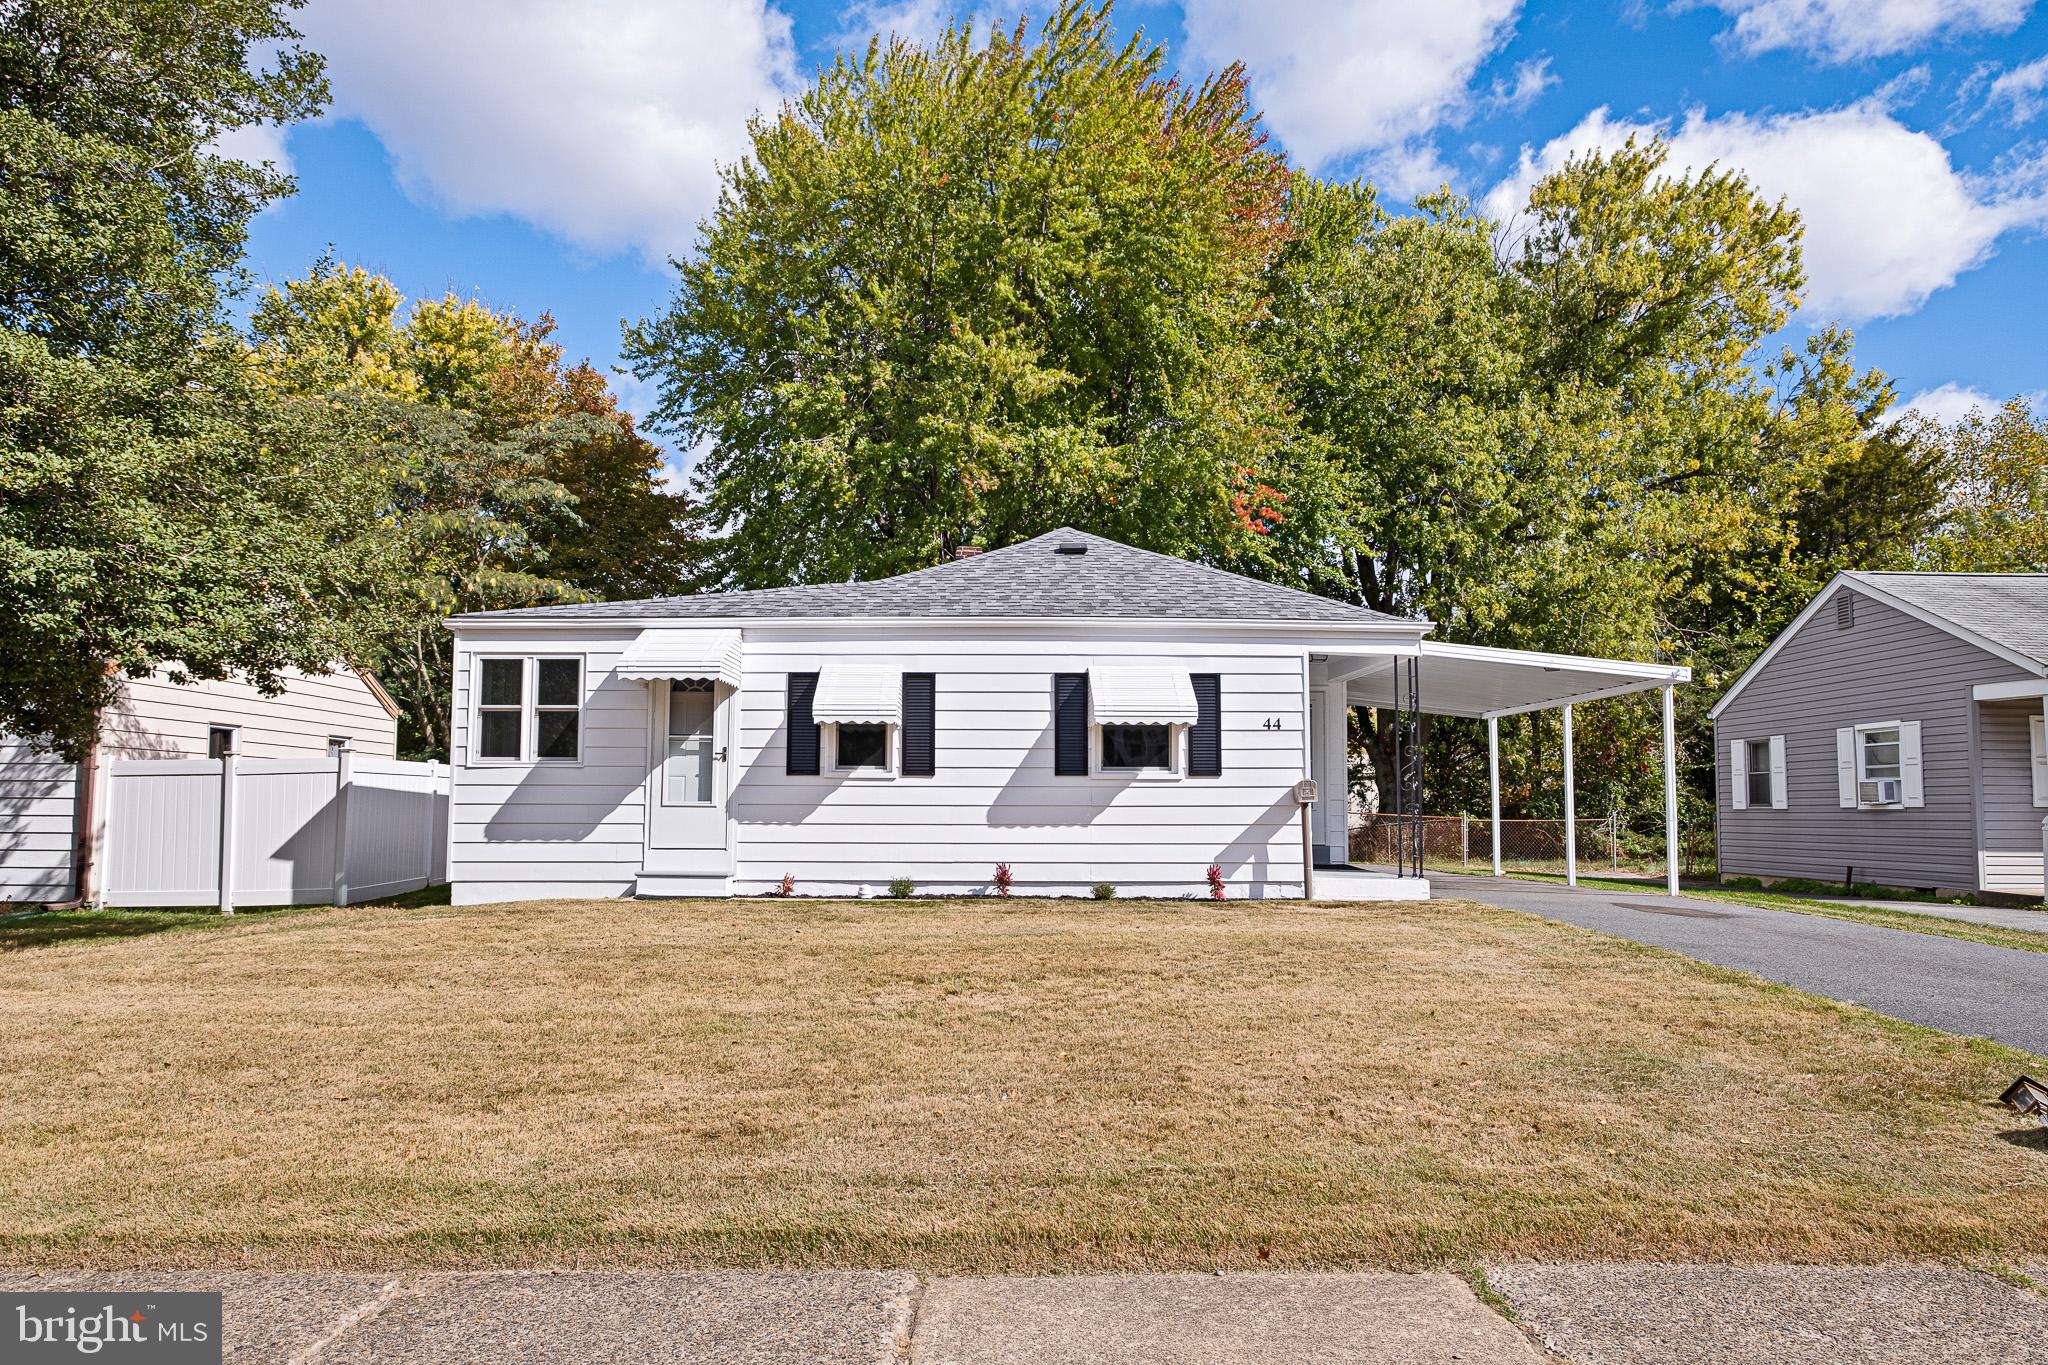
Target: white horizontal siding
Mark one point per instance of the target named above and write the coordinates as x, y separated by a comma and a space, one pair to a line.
157, 718
37, 823
556, 830
2012, 874
995, 798
530, 831
2012, 823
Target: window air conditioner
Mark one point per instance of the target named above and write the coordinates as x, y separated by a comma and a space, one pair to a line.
1885, 791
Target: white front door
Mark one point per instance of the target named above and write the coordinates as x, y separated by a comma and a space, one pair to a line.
692, 749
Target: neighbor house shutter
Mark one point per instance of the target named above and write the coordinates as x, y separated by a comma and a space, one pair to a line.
1738, 774
1845, 764
802, 747
1778, 796
2039, 732
1909, 763
1205, 741
920, 723
1070, 724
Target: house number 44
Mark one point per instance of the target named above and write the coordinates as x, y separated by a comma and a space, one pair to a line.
1274, 723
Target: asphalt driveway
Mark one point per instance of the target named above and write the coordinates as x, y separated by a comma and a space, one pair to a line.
1945, 983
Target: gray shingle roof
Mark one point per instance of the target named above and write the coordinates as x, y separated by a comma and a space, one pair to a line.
2008, 609
1032, 578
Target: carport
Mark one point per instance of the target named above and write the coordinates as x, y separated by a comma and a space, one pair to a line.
1476, 682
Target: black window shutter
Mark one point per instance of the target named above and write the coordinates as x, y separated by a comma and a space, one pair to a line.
802, 748
920, 725
1070, 724
1205, 741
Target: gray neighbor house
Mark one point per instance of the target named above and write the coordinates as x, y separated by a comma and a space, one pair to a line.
1893, 735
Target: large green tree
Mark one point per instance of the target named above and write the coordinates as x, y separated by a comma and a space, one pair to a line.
962, 294
1994, 518
1562, 433
510, 478
156, 505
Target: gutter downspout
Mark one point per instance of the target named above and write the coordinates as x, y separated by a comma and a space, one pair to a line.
84, 830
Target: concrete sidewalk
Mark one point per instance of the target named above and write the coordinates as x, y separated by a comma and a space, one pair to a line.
1585, 1314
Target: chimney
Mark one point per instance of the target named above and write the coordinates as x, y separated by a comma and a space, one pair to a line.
966, 551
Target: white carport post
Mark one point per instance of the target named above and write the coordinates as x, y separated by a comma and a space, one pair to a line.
1670, 790
1493, 783
1571, 807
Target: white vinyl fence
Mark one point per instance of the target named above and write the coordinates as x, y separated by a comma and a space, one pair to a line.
284, 831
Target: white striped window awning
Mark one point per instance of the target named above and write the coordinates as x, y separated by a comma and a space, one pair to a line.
663, 653
853, 694
1140, 696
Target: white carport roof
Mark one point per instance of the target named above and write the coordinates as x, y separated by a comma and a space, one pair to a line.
1477, 681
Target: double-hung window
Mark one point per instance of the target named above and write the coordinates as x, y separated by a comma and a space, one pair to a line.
1879, 765
1758, 771
1877, 750
528, 709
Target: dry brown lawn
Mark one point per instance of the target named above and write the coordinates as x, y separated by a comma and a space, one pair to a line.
961, 1087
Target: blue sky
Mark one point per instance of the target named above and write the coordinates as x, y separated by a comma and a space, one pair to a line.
545, 157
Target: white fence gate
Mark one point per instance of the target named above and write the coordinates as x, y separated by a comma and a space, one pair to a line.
272, 831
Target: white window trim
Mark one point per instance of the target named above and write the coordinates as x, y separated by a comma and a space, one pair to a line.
1177, 758
892, 746
1863, 773
529, 705
2037, 754
1748, 772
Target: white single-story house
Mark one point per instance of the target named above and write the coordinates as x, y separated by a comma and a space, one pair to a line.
53, 814
1075, 709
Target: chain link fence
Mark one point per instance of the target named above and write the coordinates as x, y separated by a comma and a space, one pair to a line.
1459, 843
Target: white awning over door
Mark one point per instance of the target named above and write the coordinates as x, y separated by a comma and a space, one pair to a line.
853, 694
1140, 696
661, 654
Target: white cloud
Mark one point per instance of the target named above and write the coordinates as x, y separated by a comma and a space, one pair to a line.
1951, 402
255, 142
2023, 91
1531, 79
604, 122
1847, 30
1339, 77
1888, 219
915, 21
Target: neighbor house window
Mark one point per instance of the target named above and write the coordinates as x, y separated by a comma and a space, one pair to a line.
1137, 748
528, 709
220, 741
861, 746
1759, 771
1877, 752
336, 744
